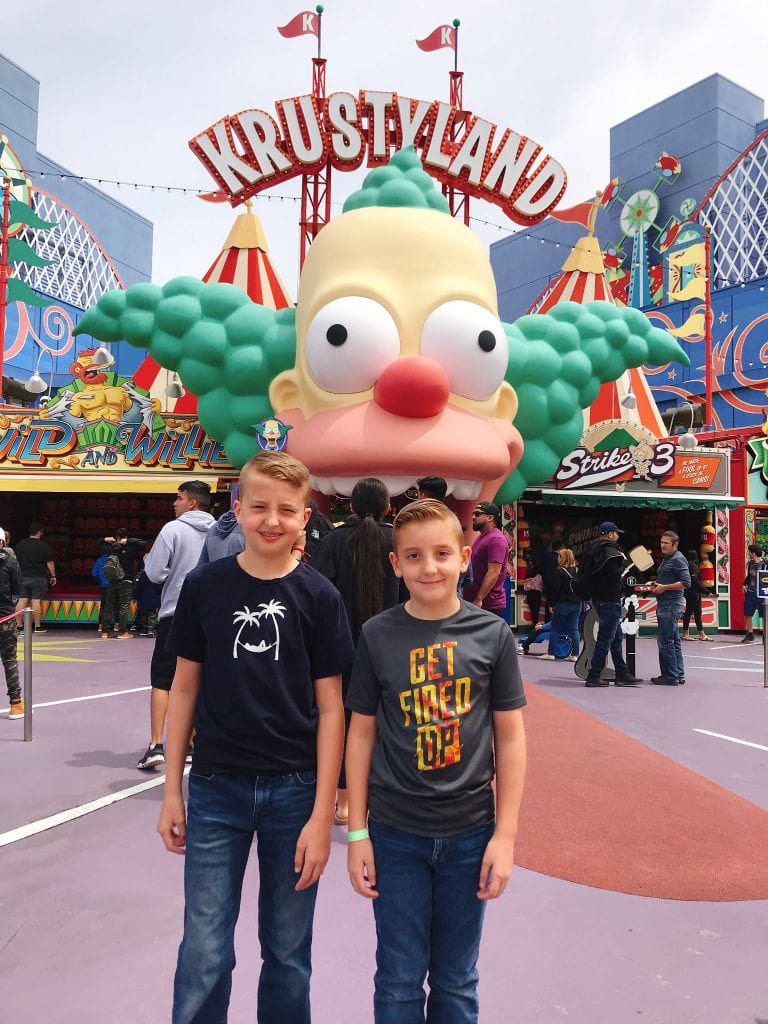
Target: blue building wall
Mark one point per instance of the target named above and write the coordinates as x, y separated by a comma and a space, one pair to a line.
706, 126
122, 233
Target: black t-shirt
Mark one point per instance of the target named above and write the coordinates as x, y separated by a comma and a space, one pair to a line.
433, 686
33, 555
262, 643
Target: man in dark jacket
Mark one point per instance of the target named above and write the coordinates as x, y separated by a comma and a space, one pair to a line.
10, 589
603, 565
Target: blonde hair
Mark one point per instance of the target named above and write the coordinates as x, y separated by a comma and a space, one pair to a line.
566, 557
426, 510
276, 466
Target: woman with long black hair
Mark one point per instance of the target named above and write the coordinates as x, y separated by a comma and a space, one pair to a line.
355, 558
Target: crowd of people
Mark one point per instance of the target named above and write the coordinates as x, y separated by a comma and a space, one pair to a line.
364, 675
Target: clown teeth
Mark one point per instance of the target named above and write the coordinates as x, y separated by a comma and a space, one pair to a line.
462, 490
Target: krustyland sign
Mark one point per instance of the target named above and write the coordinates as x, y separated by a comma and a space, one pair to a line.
252, 151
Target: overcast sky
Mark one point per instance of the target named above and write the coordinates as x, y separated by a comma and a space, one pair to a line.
125, 86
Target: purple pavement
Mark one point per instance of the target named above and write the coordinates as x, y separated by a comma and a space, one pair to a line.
90, 911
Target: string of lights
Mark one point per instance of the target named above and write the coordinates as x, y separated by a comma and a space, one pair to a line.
529, 235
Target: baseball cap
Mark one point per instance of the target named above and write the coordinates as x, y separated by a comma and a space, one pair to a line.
488, 508
609, 528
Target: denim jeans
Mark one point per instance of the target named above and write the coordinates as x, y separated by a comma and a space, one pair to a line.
609, 637
428, 925
565, 622
670, 648
223, 814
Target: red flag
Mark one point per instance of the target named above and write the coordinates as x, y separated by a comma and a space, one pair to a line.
304, 24
444, 35
574, 214
610, 191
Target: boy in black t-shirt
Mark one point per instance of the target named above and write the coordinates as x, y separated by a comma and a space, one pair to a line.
435, 693
261, 641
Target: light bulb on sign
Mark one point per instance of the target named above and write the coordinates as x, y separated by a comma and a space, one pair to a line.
102, 357
174, 389
35, 385
688, 442
628, 401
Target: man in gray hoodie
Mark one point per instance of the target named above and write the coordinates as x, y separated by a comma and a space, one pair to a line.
174, 554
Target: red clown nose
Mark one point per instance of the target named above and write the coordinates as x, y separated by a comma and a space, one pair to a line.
413, 386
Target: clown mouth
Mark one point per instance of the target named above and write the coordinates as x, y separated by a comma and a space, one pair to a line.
460, 490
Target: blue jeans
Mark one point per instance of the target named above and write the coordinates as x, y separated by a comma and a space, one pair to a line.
224, 813
565, 622
428, 922
609, 638
670, 648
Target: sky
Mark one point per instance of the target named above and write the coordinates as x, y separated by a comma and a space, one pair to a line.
124, 88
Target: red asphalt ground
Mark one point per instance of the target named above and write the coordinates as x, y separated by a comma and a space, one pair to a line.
630, 801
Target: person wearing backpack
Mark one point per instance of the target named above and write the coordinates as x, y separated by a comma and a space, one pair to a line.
120, 570
599, 580
751, 602
105, 624
566, 606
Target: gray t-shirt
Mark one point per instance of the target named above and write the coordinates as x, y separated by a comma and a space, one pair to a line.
433, 685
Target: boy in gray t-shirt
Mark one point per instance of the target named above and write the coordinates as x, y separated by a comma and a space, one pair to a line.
435, 693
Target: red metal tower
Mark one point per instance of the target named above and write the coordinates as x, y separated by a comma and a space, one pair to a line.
315, 188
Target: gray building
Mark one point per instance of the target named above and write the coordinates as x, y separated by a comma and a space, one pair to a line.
97, 244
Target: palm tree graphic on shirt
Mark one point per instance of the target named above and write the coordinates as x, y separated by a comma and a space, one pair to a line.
257, 620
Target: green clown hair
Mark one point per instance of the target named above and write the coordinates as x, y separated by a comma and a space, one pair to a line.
403, 182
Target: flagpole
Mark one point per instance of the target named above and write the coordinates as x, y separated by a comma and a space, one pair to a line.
593, 213
456, 24
319, 10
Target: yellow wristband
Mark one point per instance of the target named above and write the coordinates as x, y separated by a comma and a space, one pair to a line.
357, 835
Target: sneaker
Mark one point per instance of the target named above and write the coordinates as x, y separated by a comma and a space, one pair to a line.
154, 756
17, 710
627, 680
520, 649
571, 657
546, 657
596, 682
748, 639
663, 681
40, 629
125, 636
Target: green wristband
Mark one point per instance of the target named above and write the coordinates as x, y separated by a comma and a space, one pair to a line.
358, 834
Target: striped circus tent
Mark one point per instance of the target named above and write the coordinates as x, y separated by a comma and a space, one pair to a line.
243, 261
583, 280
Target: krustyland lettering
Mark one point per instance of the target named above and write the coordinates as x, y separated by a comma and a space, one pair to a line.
250, 151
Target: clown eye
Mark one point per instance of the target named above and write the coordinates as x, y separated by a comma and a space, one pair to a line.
470, 344
349, 343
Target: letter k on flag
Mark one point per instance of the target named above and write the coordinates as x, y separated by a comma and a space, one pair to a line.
304, 24
444, 35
